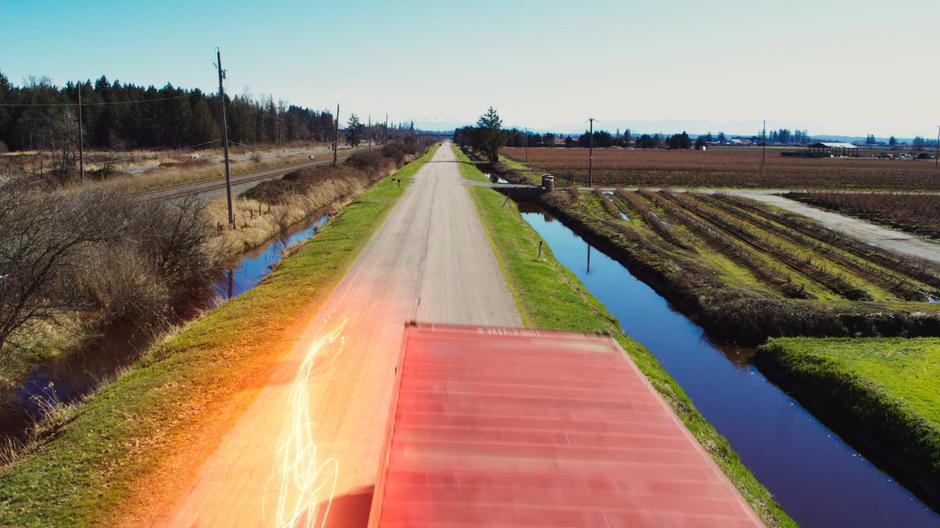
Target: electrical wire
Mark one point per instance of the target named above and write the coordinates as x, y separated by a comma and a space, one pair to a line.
100, 103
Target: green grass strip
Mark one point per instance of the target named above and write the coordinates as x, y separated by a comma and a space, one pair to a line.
92, 463
550, 296
879, 393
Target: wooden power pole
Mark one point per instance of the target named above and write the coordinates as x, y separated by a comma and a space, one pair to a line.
936, 157
228, 176
763, 152
591, 153
526, 145
336, 135
81, 138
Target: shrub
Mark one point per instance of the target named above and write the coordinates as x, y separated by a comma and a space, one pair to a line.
394, 152
370, 161
125, 289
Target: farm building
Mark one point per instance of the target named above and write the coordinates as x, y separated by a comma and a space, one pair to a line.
823, 149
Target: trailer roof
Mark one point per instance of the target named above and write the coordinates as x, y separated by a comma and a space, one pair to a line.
514, 427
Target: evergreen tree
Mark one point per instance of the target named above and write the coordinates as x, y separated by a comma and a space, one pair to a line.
353, 131
489, 134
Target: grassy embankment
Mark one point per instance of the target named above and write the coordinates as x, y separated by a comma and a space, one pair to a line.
549, 296
186, 390
883, 394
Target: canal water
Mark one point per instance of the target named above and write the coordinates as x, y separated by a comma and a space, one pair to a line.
255, 265
817, 478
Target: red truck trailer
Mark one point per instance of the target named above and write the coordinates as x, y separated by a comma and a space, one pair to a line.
517, 427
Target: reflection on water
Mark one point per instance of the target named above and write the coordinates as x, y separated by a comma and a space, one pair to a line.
816, 477
256, 265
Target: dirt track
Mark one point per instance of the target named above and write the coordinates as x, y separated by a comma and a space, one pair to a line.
317, 428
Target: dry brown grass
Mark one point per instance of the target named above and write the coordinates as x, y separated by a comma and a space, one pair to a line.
164, 168
257, 222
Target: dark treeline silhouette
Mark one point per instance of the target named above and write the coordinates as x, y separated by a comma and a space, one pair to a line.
122, 115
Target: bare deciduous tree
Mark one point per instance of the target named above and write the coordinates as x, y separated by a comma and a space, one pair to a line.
41, 237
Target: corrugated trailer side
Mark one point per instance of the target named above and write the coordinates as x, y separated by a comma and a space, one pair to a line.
518, 427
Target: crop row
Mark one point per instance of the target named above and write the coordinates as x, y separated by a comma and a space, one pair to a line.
733, 250
642, 210
877, 275
915, 268
761, 242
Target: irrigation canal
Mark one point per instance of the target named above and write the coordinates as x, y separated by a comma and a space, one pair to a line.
817, 478
254, 266
68, 380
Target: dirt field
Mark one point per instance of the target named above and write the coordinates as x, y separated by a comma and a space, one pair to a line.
918, 214
730, 167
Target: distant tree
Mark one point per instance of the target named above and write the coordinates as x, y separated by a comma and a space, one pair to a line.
602, 139
680, 141
892, 141
648, 141
870, 140
627, 137
700, 142
918, 143
722, 138
490, 137
354, 130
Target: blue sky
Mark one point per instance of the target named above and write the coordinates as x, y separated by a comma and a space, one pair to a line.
835, 67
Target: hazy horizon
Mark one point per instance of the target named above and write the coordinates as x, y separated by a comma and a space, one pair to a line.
850, 69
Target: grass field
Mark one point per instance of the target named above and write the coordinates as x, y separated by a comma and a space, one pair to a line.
747, 271
915, 213
184, 391
728, 167
549, 296
885, 391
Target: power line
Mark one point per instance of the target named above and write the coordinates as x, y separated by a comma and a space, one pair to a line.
101, 103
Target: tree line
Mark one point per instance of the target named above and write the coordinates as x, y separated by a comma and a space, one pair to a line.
118, 115
515, 137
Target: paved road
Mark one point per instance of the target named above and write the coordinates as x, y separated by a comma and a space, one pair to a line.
317, 429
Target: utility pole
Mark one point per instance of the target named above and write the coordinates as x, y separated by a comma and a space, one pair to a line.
228, 176
591, 153
81, 138
526, 145
385, 134
336, 135
763, 154
936, 158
